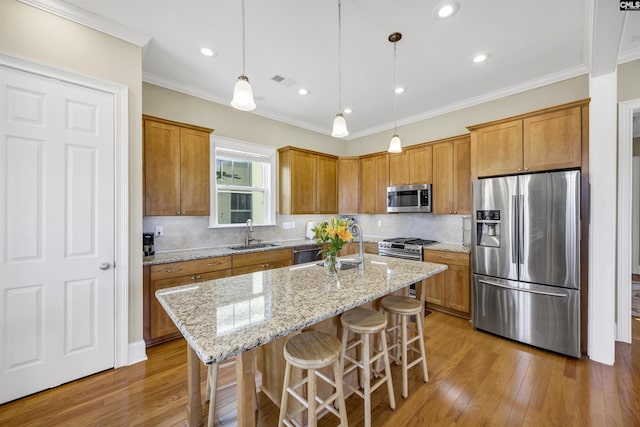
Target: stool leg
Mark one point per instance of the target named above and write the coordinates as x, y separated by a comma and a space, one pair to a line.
343, 350
285, 394
387, 369
403, 335
366, 381
212, 386
342, 407
311, 398
422, 352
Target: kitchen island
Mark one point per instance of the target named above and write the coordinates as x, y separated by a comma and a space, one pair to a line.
224, 318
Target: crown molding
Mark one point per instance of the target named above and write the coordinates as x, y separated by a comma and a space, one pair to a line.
91, 20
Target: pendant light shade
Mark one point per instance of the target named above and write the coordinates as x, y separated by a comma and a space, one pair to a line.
242, 92
339, 127
243, 95
339, 123
395, 145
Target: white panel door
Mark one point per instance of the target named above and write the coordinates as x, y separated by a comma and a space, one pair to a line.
56, 232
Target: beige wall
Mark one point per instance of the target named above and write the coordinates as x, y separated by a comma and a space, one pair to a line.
32, 34
226, 121
455, 123
629, 81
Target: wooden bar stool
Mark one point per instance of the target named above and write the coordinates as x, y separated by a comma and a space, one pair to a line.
213, 388
311, 351
366, 322
405, 307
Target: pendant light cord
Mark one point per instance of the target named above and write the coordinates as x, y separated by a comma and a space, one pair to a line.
395, 95
243, 38
339, 56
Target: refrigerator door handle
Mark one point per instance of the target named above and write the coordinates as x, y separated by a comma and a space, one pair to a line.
521, 229
514, 217
532, 291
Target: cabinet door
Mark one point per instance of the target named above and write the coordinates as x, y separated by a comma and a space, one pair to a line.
553, 140
434, 289
399, 168
499, 149
457, 288
367, 185
443, 185
161, 169
381, 182
160, 324
462, 176
260, 267
371, 248
303, 182
327, 185
421, 165
194, 172
348, 185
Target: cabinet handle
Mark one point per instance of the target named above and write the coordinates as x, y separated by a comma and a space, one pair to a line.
211, 264
519, 169
265, 265
198, 276
184, 212
450, 212
178, 213
193, 277
445, 257
175, 270
526, 169
455, 212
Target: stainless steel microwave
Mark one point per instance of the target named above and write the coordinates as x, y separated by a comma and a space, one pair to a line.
409, 198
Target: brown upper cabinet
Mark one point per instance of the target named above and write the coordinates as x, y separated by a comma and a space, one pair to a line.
176, 168
452, 176
374, 180
308, 182
544, 140
348, 184
412, 166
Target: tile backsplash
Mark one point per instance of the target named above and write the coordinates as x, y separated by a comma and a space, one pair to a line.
194, 232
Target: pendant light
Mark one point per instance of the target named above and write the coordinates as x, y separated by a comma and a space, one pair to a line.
339, 123
242, 92
395, 145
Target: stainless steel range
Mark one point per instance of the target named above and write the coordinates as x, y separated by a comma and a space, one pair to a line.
403, 247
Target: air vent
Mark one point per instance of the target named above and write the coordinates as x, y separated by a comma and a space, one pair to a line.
286, 82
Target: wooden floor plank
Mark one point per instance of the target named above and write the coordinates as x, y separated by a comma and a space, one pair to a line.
475, 379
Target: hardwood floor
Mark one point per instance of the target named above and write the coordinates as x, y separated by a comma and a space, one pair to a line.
474, 379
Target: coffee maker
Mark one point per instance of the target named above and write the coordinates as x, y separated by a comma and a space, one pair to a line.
147, 244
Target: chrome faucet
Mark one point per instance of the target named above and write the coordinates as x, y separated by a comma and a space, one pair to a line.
361, 244
248, 229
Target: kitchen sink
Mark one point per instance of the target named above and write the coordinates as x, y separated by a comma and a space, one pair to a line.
255, 246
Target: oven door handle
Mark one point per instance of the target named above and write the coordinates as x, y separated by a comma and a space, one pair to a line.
403, 256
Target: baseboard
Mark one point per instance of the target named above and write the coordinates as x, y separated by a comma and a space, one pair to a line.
136, 352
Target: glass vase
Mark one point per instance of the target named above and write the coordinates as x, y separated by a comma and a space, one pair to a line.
331, 264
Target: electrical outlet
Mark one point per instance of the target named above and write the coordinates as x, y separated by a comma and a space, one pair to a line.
379, 223
159, 231
293, 224
286, 225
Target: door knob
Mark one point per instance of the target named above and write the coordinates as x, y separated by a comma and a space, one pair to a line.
104, 266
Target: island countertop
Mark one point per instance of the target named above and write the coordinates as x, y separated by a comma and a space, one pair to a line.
223, 318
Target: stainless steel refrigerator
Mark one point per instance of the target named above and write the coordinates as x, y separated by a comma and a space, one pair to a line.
526, 259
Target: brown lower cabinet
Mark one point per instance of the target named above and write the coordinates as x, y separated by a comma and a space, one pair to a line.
158, 327
449, 291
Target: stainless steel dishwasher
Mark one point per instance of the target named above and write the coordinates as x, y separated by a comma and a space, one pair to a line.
306, 253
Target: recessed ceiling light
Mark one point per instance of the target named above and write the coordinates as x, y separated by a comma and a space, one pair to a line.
446, 9
347, 110
481, 57
303, 91
207, 52
399, 90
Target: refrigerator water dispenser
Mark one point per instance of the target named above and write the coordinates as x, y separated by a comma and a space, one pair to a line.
488, 228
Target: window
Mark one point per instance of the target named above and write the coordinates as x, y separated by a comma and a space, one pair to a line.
242, 183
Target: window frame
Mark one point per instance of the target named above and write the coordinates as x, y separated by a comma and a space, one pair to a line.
244, 151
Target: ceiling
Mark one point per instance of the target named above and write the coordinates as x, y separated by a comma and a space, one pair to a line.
529, 43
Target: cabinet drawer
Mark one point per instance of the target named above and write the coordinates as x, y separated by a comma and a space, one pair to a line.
185, 268
443, 257
260, 267
263, 257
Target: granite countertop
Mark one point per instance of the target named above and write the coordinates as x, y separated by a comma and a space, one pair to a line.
448, 247
224, 317
192, 254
